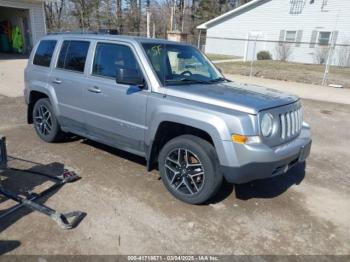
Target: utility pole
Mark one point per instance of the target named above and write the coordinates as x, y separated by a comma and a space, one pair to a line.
172, 19
330, 52
148, 14
154, 30
199, 39
183, 17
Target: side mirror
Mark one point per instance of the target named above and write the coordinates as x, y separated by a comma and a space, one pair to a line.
130, 77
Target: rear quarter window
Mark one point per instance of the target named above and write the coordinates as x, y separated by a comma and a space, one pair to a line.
44, 52
73, 55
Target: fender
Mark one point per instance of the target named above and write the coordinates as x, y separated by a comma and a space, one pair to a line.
212, 124
48, 90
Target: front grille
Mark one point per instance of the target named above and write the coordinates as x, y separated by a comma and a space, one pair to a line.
291, 123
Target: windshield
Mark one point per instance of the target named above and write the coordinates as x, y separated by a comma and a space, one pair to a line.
180, 64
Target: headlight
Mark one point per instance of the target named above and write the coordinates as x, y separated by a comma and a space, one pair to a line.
266, 124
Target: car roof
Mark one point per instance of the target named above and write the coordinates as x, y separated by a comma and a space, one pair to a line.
99, 36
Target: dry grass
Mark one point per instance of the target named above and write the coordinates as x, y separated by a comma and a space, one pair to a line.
220, 57
303, 73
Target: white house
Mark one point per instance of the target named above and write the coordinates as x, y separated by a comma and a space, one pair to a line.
305, 29
28, 15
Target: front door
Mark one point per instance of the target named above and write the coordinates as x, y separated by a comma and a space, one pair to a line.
115, 113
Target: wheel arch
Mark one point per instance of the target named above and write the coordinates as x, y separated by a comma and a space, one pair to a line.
167, 130
34, 96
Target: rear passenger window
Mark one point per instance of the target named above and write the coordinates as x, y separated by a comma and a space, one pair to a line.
44, 53
109, 57
73, 55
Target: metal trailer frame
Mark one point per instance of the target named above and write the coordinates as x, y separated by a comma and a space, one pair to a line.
64, 220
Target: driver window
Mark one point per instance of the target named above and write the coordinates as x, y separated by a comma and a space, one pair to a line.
109, 57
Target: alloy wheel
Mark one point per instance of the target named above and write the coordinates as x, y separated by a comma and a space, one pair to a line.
43, 120
184, 171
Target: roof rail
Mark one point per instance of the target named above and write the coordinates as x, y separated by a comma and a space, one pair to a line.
73, 33
99, 32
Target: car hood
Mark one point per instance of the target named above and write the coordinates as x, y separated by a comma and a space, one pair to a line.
233, 95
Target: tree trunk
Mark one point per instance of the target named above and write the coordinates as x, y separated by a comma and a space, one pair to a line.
119, 16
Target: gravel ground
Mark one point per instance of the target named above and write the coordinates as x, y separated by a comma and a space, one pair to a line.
130, 212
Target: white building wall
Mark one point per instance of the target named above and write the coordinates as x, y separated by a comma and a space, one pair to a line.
37, 15
270, 17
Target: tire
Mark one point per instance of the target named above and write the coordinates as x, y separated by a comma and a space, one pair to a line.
48, 129
201, 170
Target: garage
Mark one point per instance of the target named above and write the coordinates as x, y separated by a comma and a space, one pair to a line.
22, 23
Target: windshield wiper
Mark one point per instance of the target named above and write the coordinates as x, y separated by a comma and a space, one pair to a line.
220, 79
196, 81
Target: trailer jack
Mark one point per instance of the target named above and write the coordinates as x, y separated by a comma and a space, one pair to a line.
64, 220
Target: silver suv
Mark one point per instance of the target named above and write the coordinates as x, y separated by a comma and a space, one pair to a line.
167, 102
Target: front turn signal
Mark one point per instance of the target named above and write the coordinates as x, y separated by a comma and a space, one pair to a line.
240, 139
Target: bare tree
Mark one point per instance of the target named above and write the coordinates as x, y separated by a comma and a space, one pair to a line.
129, 16
283, 51
83, 10
320, 55
54, 12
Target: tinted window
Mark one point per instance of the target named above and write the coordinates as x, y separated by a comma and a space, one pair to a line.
44, 53
73, 55
109, 57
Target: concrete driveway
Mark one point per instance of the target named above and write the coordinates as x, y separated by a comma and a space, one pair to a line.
130, 212
11, 75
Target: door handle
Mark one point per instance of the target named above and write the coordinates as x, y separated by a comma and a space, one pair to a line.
95, 90
57, 81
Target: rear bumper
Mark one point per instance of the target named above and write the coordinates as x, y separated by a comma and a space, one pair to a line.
269, 162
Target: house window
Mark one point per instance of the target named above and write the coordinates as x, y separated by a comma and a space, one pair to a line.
324, 3
290, 36
296, 6
323, 38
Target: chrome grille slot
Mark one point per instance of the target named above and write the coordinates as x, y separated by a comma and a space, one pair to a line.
291, 123
283, 126
288, 124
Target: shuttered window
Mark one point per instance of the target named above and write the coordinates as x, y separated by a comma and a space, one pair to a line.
290, 36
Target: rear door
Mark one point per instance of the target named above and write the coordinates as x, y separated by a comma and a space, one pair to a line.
115, 113
68, 79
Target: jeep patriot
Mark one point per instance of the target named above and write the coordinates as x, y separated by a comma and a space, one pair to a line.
164, 101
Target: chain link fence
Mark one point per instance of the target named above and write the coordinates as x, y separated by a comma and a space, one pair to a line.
323, 62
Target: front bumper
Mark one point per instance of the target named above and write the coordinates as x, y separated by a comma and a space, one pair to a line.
264, 162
